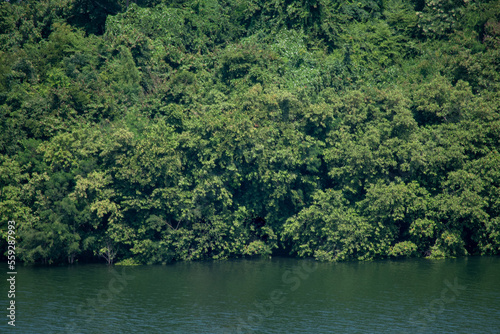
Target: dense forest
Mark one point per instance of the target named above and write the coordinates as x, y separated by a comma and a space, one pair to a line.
164, 130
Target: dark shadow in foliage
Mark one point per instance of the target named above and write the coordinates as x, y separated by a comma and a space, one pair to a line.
91, 14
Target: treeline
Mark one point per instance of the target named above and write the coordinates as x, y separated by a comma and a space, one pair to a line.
159, 131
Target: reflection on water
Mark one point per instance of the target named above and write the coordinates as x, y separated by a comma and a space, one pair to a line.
262, 296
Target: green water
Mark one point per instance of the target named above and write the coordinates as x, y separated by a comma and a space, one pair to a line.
260, 296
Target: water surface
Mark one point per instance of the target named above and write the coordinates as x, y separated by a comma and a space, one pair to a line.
279, 295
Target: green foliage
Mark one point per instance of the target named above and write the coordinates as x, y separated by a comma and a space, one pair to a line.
395, 206
147, 132
127, 262
196, 27
400, 15
373, 45
439, 17
372, 140
439, 102
331, 231
403, 249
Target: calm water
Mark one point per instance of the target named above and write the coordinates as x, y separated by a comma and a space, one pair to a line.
261, 296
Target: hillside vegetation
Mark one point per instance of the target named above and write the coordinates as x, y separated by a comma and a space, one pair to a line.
210, 129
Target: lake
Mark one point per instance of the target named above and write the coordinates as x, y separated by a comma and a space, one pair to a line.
279, 295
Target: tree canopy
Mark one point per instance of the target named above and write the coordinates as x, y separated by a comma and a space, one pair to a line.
162, 130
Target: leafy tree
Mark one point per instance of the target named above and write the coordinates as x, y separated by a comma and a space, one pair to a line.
331, 230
